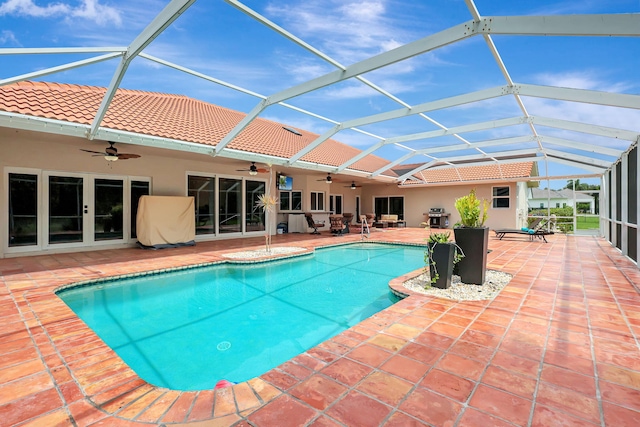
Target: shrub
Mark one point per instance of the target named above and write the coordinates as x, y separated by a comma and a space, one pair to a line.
471, 214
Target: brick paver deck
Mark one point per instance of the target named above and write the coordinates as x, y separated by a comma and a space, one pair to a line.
558, 346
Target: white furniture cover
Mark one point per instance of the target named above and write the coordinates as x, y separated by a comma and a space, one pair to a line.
165, 221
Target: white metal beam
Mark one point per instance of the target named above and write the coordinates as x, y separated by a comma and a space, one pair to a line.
59, 68
405, 112
578, 158
474, 127
568, 162
401, 53
58, 50
165, 18
394, 163
483, 144
583, 146
445, 148
499, 154
579, 95
416, 170
605, 25
626, 135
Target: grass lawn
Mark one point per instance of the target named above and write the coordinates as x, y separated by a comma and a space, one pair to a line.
587, 222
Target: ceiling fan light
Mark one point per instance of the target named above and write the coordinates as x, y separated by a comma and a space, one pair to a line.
353, 185
253, 172
111, 158
328, 179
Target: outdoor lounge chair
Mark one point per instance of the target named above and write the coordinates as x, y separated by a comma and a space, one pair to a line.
338, 226
535, 230
313, 224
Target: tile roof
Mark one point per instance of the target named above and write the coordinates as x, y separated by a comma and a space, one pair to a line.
175, 117
469, 173
182, 118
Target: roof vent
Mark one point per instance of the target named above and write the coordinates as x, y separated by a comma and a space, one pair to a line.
292, 131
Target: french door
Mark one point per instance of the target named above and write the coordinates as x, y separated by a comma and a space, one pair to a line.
82, 209
48, 209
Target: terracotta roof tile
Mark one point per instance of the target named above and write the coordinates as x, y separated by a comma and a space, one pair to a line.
469, 173
175, 117
185, 119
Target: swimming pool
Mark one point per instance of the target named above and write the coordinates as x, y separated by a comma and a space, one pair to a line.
188, 329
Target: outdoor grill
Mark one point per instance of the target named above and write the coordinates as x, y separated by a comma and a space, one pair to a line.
438, 218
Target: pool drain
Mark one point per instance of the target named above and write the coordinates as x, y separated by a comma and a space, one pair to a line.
224, 346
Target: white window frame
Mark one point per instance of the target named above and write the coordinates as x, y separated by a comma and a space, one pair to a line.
494, 197
332, 203
290, 209
318, 196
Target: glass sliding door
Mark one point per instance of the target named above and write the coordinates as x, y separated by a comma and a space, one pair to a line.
254, 215
203, 191
396, 206
138, 189
23, 209
108, 209
381, 206
66, 208
393, 205
230, 200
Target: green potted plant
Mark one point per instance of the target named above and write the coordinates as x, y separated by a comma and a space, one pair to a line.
441, 256
472, 237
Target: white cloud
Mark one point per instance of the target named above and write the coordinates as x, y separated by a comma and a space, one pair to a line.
588, 80
347, 30
29, 8
90, 10
8, 37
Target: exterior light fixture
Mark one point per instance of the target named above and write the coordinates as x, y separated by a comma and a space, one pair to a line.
253, 170
353, 185
111, 157
328, 180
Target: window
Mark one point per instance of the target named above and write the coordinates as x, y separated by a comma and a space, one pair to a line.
254, 214
138, 189
23, 209
202, 189
335, 203
557, 205
317, 201
541, 205
500, 197
291, 201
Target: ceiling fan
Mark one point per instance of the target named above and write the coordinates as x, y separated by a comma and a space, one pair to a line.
253, 169
111, 153
327, 180
353, 185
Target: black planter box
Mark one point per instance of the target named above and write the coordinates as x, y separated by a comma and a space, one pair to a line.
474, 243
442, 255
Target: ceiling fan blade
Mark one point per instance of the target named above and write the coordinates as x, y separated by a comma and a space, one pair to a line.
125, 156
262, 170
94, 152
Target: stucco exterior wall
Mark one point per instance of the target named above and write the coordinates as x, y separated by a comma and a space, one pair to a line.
168, 171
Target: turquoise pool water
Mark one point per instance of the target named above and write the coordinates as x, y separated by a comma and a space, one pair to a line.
187, 330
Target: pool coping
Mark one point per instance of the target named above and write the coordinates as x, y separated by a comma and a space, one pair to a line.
118, 392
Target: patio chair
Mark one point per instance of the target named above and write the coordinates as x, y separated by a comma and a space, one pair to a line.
338, 226
347, 218
535, 230
313, 224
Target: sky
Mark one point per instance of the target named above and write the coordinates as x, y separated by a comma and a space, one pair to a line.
214, 38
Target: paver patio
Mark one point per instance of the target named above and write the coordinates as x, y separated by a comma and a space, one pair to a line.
558, 346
